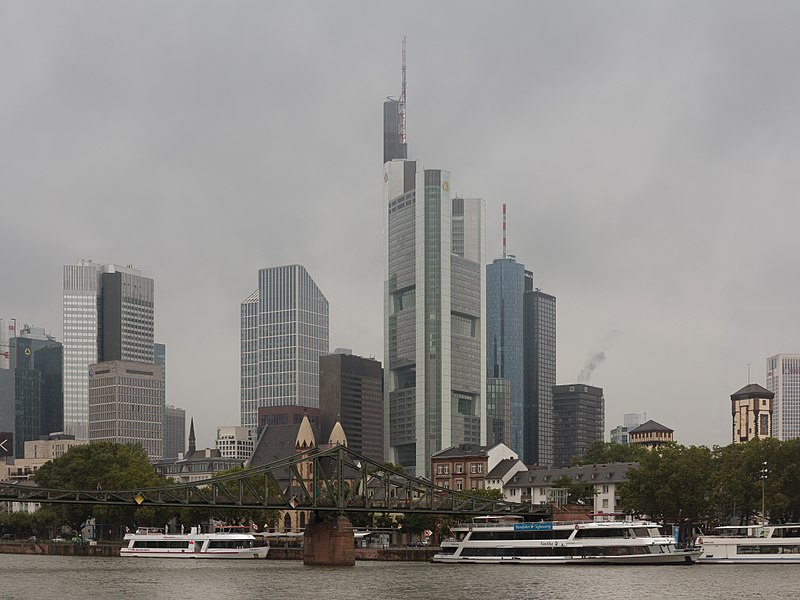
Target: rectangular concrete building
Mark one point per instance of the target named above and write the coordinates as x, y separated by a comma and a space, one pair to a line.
125, 405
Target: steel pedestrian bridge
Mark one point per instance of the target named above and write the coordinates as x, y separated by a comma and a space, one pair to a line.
332, 480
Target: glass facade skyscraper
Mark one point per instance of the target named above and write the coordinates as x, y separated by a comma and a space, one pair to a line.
504, 339
434, 322
783, 380
284, 331
540, 374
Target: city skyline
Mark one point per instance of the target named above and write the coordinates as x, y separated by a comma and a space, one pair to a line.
641, 152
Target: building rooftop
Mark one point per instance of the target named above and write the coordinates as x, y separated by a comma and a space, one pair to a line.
650, 426
503, 467
462, 450
603, 473
752, 390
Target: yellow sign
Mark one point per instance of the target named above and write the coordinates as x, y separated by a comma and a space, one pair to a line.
139, 498
446, 186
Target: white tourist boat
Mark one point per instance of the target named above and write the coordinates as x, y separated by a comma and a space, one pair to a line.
510, 540
752, 544
228, 543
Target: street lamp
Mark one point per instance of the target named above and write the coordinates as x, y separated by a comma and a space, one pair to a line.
764, 472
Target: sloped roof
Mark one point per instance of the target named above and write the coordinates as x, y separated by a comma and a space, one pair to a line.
649, 426
278, 442
597, 474
503, 467
752, 390
462, 450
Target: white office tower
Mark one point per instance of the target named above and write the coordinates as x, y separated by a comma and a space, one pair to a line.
284, 326
434, 322
783, 380
235, 442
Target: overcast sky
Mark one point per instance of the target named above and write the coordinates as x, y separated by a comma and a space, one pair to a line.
649, 154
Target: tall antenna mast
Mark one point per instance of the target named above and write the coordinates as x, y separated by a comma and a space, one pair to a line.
402, 103
504, 229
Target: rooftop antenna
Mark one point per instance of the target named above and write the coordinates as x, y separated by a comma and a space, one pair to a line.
504, 229
402, 103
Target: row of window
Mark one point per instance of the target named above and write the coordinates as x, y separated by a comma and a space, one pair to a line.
459, 468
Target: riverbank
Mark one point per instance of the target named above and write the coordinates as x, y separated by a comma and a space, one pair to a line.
275, 553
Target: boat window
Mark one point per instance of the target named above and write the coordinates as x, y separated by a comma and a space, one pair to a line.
559, 534
161, 544
601, 532
786, 532
758, 549
230, 544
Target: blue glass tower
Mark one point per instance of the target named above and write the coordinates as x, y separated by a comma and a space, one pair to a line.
504, 338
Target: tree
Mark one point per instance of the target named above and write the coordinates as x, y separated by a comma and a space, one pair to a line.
107, 466
488, 493
603, 453
671, 484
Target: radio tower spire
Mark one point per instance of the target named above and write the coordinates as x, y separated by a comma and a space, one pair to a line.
402, 103
504, 229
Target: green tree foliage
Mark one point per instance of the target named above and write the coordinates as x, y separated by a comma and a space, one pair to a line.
672, 484
237, 516
600, 453
106, 466
489, 494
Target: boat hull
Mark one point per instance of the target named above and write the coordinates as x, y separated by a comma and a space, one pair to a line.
674, 558
144, 553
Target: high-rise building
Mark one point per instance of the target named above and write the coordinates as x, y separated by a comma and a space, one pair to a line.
351, 393
160, 360
539, 339
783, 380
434, 305
434, 322
125, 405
126, 317
108, 315
504, 339
578, 419
174, 431
498, 410
284, 331
31, 397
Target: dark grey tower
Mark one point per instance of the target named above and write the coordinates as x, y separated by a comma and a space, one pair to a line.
540, 373
126, 319
351, 392
579, 420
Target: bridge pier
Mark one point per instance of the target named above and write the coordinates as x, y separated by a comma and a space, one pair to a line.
329, 543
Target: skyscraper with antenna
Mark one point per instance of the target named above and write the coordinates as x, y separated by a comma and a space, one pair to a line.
520, 348
434, 311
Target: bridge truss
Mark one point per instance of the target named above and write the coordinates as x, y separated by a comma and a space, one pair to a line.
333, 480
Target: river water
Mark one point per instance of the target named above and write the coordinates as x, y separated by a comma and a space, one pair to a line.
24, 577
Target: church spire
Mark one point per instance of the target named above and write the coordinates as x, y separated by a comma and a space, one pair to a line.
192, 444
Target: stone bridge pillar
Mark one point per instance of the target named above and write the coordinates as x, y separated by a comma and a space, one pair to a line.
329, 543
